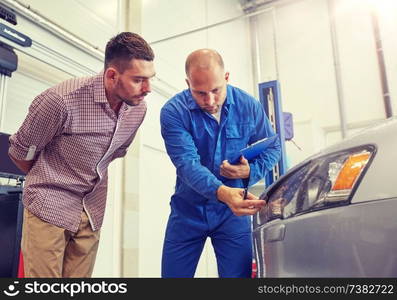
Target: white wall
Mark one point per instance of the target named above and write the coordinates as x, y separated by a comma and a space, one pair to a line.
178, 17
33, 82
156, 182
296, 48
388, 23
144, 196
168, 26
94, 21
156, 185
358, 62
54, 58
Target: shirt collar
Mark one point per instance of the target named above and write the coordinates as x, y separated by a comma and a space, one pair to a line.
99, 89
192, 104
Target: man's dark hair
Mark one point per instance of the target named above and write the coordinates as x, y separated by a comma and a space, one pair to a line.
124, 47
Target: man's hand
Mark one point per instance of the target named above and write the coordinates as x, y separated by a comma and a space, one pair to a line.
240, 171
233, 197
23, 165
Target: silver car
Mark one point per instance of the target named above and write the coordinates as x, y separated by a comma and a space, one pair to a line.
335, 214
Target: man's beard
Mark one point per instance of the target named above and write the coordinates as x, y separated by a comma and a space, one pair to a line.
130, 102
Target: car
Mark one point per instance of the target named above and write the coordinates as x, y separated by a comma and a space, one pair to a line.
334, 214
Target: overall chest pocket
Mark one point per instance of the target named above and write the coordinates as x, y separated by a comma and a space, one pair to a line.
237, 137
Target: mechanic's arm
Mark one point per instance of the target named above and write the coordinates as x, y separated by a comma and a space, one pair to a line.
45, 119
183, 153
233, 197
239, 171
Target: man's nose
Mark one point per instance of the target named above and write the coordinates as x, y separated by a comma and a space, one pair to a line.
210, 99
146, 86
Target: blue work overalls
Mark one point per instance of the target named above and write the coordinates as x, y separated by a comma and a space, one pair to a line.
197, 144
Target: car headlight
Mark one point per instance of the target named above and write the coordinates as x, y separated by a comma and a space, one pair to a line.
319, 183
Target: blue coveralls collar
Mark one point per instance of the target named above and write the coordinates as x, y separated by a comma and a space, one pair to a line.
192, 104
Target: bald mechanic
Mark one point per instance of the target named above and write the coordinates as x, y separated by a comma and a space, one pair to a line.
202, 127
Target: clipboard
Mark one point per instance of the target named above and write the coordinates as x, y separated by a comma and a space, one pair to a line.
253, 150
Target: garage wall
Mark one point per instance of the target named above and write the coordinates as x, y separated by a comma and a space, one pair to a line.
296, 43
18, 99
53, 58
94, 21
175, 28
179, 29
140, 185
388, 24
157, 181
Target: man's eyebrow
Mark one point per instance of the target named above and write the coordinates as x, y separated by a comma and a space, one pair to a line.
198, 91
143, 77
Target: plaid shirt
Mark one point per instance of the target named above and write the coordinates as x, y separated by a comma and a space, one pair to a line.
72, 134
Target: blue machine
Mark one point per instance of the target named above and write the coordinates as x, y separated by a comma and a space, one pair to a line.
270, 97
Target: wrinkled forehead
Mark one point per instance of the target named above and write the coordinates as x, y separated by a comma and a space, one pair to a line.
207, 76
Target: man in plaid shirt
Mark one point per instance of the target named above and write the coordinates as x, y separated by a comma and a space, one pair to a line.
70, 135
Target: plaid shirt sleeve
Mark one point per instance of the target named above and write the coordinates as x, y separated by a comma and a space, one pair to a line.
46, 118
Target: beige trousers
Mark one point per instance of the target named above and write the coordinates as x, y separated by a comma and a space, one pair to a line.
50, 251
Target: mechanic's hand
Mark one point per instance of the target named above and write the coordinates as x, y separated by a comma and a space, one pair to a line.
233, 197
240, 171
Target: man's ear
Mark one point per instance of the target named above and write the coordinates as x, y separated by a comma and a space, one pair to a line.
227, 76
187, 82
111, 75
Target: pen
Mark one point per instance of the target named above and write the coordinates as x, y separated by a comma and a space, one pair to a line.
245, 193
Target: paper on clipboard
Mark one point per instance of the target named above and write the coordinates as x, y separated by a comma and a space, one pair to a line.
254, 149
